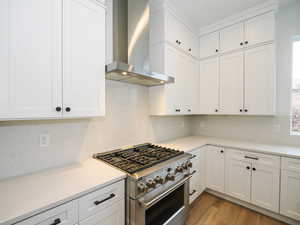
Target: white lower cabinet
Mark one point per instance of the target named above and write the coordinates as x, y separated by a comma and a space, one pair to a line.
197, 182
290, 188
253, 178
66, 214
105, 206
111, 215
238, 179
215, 166
265, 187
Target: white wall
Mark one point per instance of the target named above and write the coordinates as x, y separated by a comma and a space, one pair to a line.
126, 123
264, 129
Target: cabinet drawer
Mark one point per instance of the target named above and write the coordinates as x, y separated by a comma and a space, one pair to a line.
111, 215
252, 157
98, 200
65, 214
291, 164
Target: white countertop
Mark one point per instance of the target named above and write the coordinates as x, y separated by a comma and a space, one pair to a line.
25, 196
193, 142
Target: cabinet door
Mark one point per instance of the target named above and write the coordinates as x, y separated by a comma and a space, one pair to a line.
209, 45
290, 198
265, 187
197, 182
232, 83
189, 69
232, 38
174, 91
260, 81
209, 86
215, 168
30, 59
260, 29
112, 215
238, 179
84, 58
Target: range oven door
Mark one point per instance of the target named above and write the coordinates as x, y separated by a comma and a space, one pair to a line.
168, 208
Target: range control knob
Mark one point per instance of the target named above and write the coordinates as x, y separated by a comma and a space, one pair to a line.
159, 180
189, 164
141, 188
170, 177
151, 183
179, 169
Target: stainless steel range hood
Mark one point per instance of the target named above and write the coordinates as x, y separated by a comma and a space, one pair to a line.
131, 28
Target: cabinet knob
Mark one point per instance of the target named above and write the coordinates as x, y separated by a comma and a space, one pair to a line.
56, 222
216, 110
241, 43
222, 151
246, 42
190, 49
68, 109
217, 50
246, 110
241, 110
177, 41
58, 109
253, 169
248, 167
177, 110
189, 110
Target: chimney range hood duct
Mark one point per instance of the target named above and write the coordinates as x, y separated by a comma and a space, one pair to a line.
131, 22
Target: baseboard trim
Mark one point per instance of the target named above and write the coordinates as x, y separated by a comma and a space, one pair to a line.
254, 208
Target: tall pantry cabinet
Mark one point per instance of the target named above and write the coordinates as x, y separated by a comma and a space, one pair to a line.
52, 59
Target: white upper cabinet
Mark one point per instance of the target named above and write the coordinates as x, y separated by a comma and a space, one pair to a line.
209, 45
46, 65
30, 59
232, 38
180, 97
260, 81
84, 58
166, 26
232, 83
260, 29
209, 86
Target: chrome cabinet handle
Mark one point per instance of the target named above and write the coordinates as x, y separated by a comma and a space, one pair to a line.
193, 192
104, 200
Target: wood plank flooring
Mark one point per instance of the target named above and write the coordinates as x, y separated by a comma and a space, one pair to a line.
211, 210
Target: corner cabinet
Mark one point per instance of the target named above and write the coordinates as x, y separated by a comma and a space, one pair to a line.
180, 97
56, 70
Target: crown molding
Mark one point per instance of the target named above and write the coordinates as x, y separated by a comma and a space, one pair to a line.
271, 5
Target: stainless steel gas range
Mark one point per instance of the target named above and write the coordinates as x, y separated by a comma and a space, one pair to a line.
157, 191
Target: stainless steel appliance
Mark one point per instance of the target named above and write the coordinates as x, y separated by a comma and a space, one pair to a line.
130, 45
157, 185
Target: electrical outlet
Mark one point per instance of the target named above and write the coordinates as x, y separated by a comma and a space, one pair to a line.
44, 140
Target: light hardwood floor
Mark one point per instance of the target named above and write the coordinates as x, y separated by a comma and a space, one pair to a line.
211, 210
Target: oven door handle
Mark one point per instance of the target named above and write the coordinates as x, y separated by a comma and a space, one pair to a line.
147, 205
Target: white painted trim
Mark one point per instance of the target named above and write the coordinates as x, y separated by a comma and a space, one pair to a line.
271, 5
254, 208
158, 5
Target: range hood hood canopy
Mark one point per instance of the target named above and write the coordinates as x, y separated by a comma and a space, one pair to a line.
120, 69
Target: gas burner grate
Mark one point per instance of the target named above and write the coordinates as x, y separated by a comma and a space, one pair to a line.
139, 157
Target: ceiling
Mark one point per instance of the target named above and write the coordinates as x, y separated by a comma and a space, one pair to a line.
205, 12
